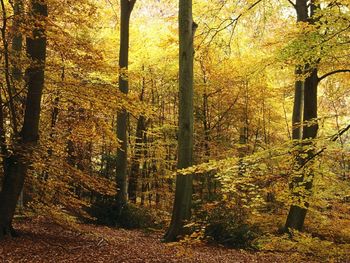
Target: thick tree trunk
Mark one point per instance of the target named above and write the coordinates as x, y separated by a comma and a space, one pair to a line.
122, 117
297, 132
304, 177
36, 50
17, 164
183, 192
12, 185
305, 112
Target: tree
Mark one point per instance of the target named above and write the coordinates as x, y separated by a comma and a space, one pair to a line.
297, 213
122, 117
17, 163
305, 122
183, 192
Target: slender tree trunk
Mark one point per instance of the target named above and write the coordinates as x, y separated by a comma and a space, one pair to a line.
206, 178
17, 164
17, 45
122, 117
244, 132
183, 192
9, 87
17, 40
135, 166
297, 108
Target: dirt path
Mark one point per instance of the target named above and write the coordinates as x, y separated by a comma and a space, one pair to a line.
42, 241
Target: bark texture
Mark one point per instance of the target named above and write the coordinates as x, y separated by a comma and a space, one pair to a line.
126, 7
183, 192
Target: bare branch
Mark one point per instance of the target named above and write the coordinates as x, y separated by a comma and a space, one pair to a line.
340, 133
333, 138
332, 73
290, 1
222, 26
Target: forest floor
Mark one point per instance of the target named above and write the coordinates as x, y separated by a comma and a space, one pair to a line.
44, 241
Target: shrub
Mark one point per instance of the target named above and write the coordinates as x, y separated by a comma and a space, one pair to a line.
228, 226
131, 216
305, 245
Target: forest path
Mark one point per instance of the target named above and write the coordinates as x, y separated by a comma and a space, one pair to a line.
44, 241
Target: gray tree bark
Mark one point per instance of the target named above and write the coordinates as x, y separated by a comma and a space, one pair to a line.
183, 192
126, 7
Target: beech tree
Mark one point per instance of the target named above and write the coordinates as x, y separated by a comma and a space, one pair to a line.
17, 164
183, 192
305, 122
126, 7
236, 93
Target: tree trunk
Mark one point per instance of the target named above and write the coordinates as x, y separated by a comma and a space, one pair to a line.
135, 166
17, 40
207, 177
305, 112
304, 177
122, 117
7, 74
17, 164
15, 169
183, 192
17, 45
297, 132
244, 133
297, 107
139, 143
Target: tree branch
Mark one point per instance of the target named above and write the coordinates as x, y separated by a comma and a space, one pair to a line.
290, 1
131, 4
222, 26
333, 138
340, 133
332, 73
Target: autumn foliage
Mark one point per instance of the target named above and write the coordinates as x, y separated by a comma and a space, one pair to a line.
251, 58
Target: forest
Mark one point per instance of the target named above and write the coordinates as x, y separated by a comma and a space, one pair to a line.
175, 131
